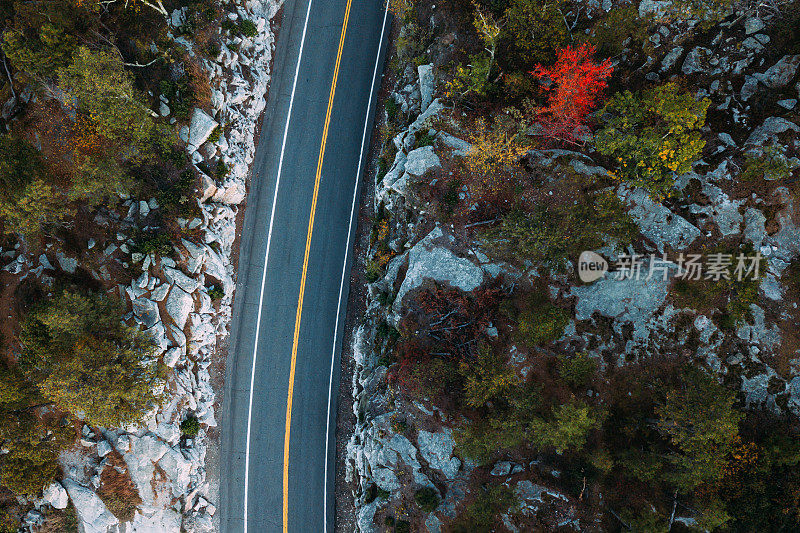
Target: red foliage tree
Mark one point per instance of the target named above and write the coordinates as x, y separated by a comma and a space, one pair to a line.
575, 83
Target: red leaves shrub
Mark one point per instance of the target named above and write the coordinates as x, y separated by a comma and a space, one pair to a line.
576, 82
445, 324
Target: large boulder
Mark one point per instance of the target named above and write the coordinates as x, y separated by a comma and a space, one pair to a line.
658, 223
422, 160
653, 7
231, 192
427, 84
697, 60
781, 73
55, 495
179, 305
200, 127
771, 127
92, 512
437, 449
431, 259
146, 311
180, 279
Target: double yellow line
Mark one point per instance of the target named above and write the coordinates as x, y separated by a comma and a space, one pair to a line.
296, 339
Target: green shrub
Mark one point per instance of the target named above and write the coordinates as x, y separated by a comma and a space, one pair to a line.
577, 370
546, 235
213, 138
159, 243
701, 422
248, 28
537, 30
221, 169
539, 321
228, 25
372, 271
424, 139
653, 137
771, 165
87, 362
537, 326
483, 513
392, 108
487, 377
216, 293
190, 427
427, 498
471, 78
619, 24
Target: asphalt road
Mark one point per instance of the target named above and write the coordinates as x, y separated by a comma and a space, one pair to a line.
266, 485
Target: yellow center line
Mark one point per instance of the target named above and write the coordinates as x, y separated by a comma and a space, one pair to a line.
296, 340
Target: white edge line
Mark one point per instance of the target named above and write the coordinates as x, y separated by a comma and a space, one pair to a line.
266, 260
344, 268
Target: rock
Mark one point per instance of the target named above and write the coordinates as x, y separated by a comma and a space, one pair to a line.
178, 17
671, 58
55, 495
180, 279
753, 45
754, 226
103, 448
460, 147
658, 223
771, 127
794, 395
781, 73
502, 468
163, 109
159, 335
198, 523
433, 524
159, 521
366, 517
749, 87
179, 304
422, 160
753, 25
697, 60
427, 260
628, 301
653, 7
208, 189
172, 356
437, 449
426, 84
197, 256
231, 193
160, 292
144, 209
526, 490
147, 311
92, 512
177, 469
200, 127
68, 264
788, 103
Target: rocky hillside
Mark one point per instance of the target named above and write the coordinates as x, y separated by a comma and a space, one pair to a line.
497, 391
123, 446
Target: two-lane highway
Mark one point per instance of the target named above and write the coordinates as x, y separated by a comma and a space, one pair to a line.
278, 423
